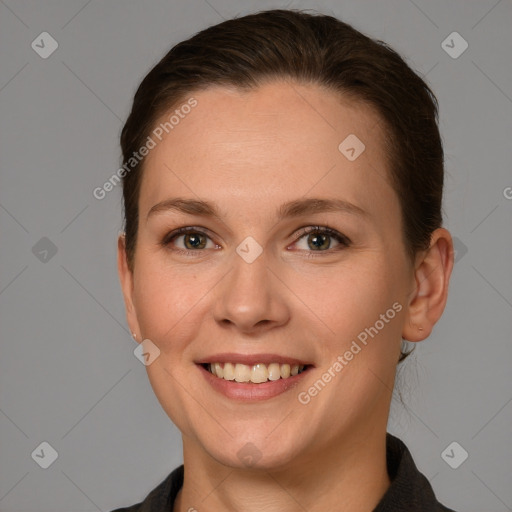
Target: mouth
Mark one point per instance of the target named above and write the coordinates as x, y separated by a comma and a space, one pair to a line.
252, 378
258, 373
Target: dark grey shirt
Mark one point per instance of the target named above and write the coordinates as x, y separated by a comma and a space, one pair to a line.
409, 491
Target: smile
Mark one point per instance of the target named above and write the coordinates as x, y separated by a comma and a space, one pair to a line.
256, 373
252, 377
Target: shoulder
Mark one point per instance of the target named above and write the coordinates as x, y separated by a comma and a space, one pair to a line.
409, 489
162, 497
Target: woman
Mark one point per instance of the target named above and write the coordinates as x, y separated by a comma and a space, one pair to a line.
283, 234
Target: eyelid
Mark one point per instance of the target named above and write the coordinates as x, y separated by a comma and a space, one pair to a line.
343, 239
183, 231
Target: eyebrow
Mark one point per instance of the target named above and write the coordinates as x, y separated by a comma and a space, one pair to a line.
291, 209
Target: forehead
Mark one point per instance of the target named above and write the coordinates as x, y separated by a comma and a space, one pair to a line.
271, 144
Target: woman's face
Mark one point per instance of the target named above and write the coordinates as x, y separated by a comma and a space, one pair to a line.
262, 282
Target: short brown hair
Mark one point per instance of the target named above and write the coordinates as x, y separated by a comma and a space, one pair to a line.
313, 49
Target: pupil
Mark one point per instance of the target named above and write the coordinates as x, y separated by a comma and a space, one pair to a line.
194, 241
323, 239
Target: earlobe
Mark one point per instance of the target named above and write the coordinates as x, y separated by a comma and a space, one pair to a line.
126, 280
430, 294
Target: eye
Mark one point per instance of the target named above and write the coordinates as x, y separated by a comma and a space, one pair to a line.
320, 239
188, 239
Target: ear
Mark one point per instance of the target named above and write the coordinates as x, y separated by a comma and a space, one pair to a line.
432, 273
126, 278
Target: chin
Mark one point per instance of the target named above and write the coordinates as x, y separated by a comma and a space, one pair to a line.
258, 454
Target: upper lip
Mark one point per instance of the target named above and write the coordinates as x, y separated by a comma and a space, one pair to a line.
251, 359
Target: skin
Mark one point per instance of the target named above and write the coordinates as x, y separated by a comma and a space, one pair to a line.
250, 152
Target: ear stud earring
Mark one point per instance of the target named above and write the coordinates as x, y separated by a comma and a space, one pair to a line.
134, 335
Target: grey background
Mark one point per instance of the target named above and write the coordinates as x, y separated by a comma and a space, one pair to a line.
68, 374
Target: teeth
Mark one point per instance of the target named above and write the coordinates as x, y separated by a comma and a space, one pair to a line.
274, 371
256, 374
229, 371
259, 373
219, 371
242, 373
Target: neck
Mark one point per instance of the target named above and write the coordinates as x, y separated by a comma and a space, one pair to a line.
352, 477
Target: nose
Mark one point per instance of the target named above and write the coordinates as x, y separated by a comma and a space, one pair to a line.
251, 298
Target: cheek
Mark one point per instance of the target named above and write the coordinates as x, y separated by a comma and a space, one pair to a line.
169, 301
347, 299
358, 312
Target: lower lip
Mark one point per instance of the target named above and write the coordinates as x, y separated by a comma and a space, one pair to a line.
249, 392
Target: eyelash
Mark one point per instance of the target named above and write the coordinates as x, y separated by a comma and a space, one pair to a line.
324, 230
